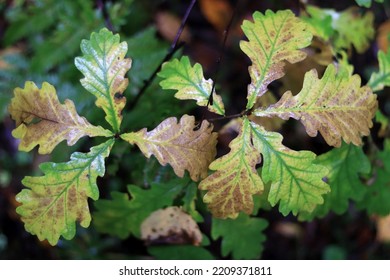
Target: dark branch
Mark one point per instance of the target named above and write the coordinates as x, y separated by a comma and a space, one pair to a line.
103, 8
172, 50
220, 58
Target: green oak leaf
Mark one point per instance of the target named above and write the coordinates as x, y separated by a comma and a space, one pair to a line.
123, 215
381, 79
189, 199
273, 38
344, 164
190, 83
377, 197
55, 201
319, 21
104, 68
242, 237
296, 179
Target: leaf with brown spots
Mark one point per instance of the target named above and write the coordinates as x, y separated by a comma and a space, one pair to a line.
104, 68
334, 105
231, 187
42, 120
54, 202
181, 145
273, 38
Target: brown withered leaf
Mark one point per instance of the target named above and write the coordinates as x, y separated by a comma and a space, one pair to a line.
217, 12
168, 25
42, 120
383, 37
181, 145
334, 105
170, 226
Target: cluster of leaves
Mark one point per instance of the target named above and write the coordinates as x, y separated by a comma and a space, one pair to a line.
335, 105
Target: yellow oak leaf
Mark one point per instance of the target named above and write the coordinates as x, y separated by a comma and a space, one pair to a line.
273, 38
180, 144
42, 120
334, 105
231, 187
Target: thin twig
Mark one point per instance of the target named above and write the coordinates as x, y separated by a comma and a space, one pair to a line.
102, 6
172, 50
220, 58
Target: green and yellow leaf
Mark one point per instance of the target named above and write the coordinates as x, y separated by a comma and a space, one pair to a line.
181, 145
273, 38
344, 165
230, 188
104, 68
54, 202
233, 232
296, 179
381, 79
334, 105
190, 83
42, 120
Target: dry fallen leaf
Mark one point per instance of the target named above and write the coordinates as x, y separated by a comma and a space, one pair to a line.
170, 226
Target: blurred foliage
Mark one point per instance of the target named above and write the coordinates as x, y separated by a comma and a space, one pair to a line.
39, 40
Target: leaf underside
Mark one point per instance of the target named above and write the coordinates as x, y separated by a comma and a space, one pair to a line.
42, 120
273, 38
55, 201
334, 105
296, 180
180, 144
104, 68
190, 83
230, 188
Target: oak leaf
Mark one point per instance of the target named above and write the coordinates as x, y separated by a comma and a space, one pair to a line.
124, 213
104, 68
296, 179
273, 38
334, 105
180, 144
55, 201
344, 165
42, 120
381, 79
190, 83
233, 236
230, 188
